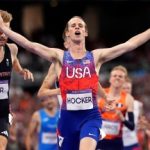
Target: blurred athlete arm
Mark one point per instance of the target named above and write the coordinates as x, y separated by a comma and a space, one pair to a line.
32, 129
109, 101
130, 122
49, 54
49, 81
16, 64
129, 103
101, 92
106, 54
27, 74
141, 109
130, 106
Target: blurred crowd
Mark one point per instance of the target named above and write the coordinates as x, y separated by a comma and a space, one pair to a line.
23, 104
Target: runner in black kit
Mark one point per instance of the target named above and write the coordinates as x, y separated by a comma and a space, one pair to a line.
8, 61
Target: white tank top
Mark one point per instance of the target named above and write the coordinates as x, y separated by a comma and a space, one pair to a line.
130, 137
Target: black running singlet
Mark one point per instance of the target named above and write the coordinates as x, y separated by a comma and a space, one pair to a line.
5, 76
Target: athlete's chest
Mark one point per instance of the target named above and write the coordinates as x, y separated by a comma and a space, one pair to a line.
5, 67
78, 68
5, 61
49, 123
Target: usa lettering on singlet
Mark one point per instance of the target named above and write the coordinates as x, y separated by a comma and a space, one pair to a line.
78, 82
78, 73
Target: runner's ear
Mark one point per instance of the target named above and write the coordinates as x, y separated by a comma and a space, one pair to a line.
67, 33
86, 33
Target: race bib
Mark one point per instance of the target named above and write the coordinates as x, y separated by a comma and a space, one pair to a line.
49, 138
4, 89
79, 100
111, 128
129, 137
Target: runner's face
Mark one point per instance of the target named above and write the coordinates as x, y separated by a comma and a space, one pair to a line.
127, 87
3, 37
76, 29
117, 78
50, 102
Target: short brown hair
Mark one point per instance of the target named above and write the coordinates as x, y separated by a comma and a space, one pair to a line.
6, 16
122, 68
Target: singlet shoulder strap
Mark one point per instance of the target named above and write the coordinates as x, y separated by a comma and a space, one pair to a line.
7, 51
67, 56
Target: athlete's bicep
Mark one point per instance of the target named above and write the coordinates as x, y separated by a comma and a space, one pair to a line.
48, 83
16, 65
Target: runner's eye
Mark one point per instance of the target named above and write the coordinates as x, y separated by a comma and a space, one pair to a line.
80, 25
73, 25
